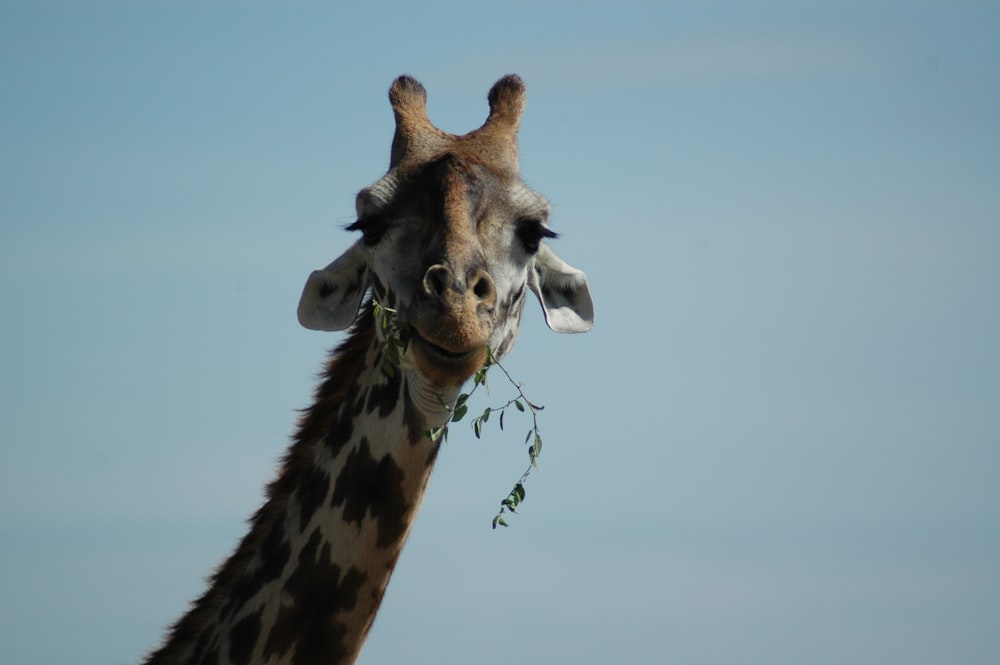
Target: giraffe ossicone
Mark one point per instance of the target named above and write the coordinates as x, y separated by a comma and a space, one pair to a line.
451, 241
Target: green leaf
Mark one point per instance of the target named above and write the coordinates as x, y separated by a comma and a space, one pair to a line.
518, 405
436, 433
460, 412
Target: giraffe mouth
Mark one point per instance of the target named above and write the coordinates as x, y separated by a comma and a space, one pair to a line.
439, 351
443, 365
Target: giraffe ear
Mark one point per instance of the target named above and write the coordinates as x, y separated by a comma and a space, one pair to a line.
332, 296
563, 292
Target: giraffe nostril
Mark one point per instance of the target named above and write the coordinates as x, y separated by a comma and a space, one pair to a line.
482, 286
437, 280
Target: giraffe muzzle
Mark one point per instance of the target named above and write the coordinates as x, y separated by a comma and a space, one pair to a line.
454, 322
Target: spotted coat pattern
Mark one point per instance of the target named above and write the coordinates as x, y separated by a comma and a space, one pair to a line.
296, 591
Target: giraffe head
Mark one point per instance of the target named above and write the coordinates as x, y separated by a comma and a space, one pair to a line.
451, 239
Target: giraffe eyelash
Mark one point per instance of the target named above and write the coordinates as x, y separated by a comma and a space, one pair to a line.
531, 232
372, 229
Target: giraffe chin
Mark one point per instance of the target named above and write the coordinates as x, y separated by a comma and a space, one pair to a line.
444, 367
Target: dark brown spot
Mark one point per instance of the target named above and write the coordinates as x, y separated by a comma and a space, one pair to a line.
206, 649
367, 486
243, 638
385, 397
319, 591
508, 341
359, 397
313, 487
382, 294
273, 552
340, 433
516, 295
414, 420
210, 658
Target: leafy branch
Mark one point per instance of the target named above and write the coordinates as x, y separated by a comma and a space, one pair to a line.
394, 338
519, 403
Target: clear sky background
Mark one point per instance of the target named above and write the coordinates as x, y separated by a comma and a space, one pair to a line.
780, 444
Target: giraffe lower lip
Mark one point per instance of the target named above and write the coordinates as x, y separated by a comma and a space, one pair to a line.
440, 352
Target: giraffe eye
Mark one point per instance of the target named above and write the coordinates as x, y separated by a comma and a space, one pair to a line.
372, 229
531, 232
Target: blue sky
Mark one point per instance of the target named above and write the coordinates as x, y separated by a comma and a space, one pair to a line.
779, 444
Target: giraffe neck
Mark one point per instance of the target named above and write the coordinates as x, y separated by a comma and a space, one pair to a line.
304, 585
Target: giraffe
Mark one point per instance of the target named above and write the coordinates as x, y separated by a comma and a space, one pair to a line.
451, 239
